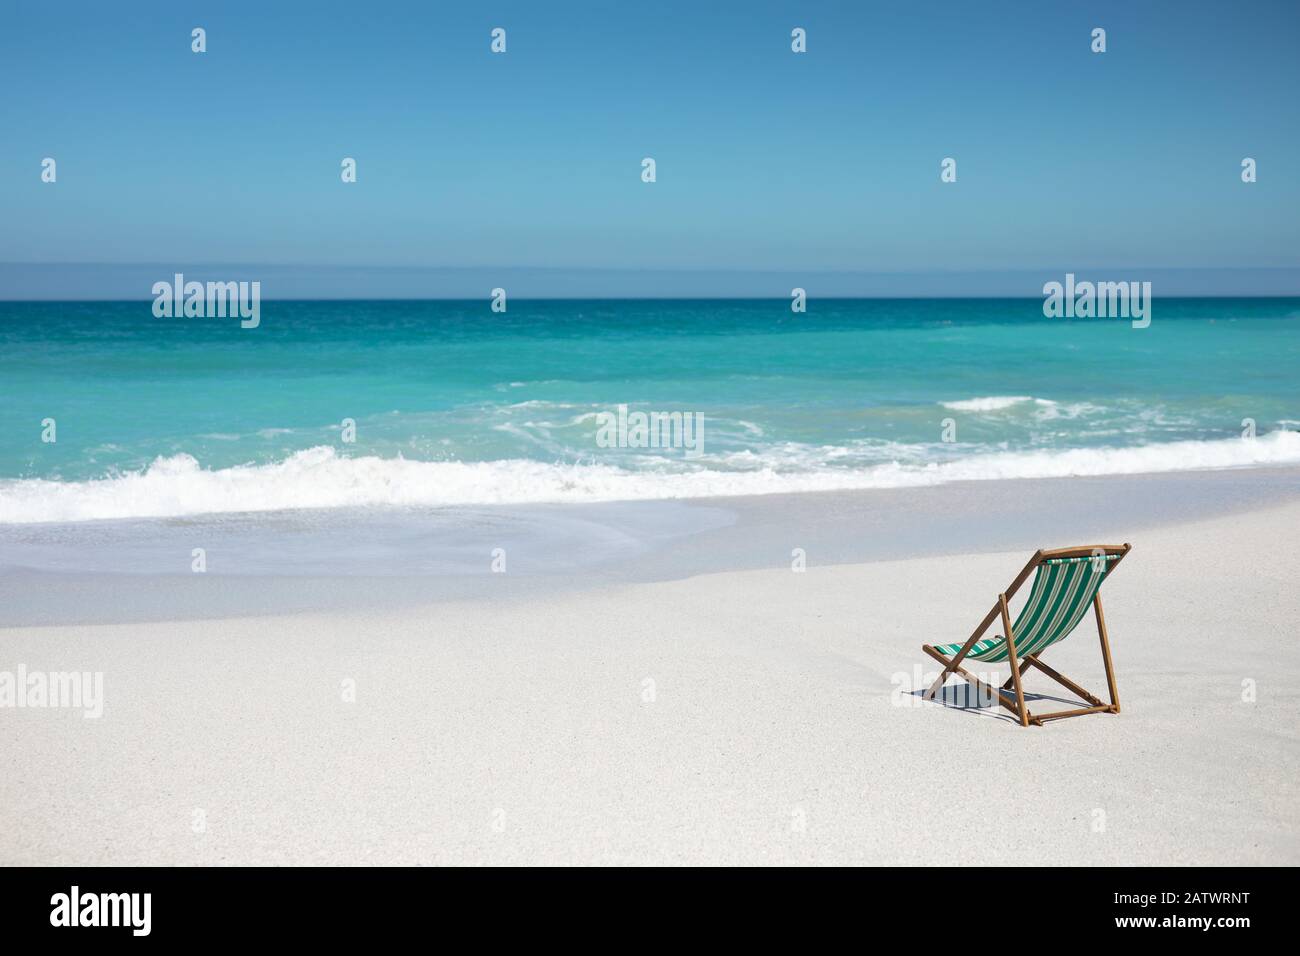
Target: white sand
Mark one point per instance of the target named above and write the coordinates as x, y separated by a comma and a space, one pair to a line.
517, 732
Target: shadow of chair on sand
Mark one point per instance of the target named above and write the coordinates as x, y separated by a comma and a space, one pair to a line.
964, 697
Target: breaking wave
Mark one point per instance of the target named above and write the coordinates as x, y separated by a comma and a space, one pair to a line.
320, 478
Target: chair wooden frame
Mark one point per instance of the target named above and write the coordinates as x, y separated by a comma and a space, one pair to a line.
1019, 666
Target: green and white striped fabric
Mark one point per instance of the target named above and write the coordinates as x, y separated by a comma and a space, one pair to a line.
1063, 591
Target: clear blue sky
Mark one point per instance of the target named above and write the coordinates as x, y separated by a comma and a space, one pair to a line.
767, 160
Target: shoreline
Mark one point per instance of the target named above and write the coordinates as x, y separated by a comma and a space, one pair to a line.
124, 571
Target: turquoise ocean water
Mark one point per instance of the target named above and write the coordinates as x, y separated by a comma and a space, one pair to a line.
455, 404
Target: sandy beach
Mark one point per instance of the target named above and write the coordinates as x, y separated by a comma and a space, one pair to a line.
749, 715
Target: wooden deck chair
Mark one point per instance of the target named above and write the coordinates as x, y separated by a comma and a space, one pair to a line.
1067, 581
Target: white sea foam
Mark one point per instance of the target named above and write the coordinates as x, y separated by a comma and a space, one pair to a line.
993, 403
1052, 411
320, 478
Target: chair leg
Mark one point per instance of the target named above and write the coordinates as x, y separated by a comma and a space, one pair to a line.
992, 693
1105, 653
949, 667
938, 681
954, 666
1015, 665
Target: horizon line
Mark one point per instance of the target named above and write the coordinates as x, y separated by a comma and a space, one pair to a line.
120, 282
654, 298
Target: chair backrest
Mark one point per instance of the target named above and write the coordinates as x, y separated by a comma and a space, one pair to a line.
1062, 593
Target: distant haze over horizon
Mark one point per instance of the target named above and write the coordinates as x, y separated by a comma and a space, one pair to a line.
91, 282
